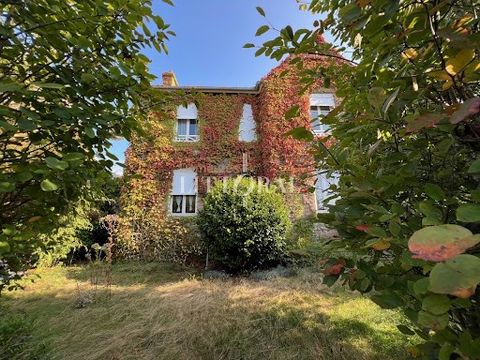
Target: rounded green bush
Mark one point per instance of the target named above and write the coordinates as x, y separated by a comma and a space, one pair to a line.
244, 224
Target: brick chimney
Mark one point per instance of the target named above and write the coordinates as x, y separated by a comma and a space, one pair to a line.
169, 79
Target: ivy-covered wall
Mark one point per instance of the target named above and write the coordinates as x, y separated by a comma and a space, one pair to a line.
150, 162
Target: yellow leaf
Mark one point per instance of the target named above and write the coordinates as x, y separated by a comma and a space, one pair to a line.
439, 75
409, 54
381, 245
455, 64
460, 23
447, 84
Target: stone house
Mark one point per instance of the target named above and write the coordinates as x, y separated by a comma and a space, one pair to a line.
208, 133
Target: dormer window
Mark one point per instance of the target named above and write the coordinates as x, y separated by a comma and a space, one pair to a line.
320, 106
187, 124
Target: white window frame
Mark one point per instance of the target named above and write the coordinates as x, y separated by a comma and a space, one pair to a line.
187, 114
184, 192
186, 137
318, 104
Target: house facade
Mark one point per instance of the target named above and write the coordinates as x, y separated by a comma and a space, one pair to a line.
204, 134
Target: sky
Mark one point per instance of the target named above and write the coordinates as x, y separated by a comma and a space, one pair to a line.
208, 47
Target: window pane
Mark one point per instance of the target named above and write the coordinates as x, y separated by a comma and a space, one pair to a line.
190, 204
177, 204
182, 127
193, 130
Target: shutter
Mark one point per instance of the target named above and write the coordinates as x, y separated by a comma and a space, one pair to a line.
247, 131
189, 112
322, 100
184, 182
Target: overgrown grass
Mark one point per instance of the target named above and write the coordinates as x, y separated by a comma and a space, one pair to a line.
157, 311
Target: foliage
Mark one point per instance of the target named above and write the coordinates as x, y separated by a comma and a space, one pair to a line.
301, 233
149, 235
287, 318
71, 75
69, 236
15, 332
82, 226
245, 224
405, 141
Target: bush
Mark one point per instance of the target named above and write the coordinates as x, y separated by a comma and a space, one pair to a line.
149, 235
244, 224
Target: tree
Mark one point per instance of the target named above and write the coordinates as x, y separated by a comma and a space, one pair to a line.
405, 142
72, 78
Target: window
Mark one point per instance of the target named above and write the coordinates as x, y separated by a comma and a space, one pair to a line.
187, 123
184, 192
247, 131
323, 192
320, 106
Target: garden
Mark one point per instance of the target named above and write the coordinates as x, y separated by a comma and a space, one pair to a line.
87, 273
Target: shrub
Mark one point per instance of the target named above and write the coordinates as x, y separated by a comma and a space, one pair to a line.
244, 224
149, 235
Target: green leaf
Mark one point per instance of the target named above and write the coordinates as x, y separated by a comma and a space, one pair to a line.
431, 321
387, 300
54, 163
48, 185
389, 101
90, 133
442, 242
300, 133
49, 85
468, 213
4, 247
459, 276
350, 12
262, 30
376, 96
75, 156
6, 186
446, 351
248, 46
420, 287
474, 167
294, 111
405, 330
434, 191
436, 304
10, 86
261, 11
26, 124
432, 212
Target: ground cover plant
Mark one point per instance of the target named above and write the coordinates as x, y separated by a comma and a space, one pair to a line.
159, 311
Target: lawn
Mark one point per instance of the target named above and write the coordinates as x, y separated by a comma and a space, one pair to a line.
155, 311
